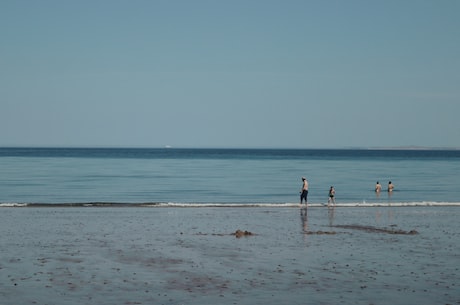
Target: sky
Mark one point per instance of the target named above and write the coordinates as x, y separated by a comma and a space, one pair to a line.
240, 73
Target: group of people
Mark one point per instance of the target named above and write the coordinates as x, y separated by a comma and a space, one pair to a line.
304, 193
378, 187
331, 198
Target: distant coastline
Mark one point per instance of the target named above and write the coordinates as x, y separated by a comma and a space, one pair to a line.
414, 148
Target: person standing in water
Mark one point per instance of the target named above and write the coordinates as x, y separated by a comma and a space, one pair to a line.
304, 191
331, 196
378, 187
390, 187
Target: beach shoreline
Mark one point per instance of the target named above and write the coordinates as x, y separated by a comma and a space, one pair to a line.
192, 256
223, 205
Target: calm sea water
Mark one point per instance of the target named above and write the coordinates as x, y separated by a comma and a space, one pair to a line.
225, 176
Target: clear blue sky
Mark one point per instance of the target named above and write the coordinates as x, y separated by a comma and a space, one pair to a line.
282, 74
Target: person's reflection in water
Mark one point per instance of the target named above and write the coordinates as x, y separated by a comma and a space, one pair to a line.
303, 218
331, 214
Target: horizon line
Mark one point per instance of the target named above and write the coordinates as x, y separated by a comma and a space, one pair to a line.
410, 147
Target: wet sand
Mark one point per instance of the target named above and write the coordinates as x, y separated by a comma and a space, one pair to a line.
192, 255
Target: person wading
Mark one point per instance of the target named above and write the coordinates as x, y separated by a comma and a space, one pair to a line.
304, 191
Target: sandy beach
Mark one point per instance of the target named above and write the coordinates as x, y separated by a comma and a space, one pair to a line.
191, 256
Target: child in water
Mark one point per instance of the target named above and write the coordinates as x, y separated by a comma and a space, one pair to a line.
331, 196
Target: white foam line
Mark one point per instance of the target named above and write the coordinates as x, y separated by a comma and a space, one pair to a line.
260, 205
296, 205
13, 204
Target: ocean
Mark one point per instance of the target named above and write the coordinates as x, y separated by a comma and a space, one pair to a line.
191, 177
158, 226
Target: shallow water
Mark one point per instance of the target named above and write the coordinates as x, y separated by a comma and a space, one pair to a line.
225, 176
151, 255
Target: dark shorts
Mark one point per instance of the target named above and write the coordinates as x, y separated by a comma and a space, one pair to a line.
304, 195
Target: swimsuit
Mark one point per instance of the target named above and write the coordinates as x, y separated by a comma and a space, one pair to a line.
304, 195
